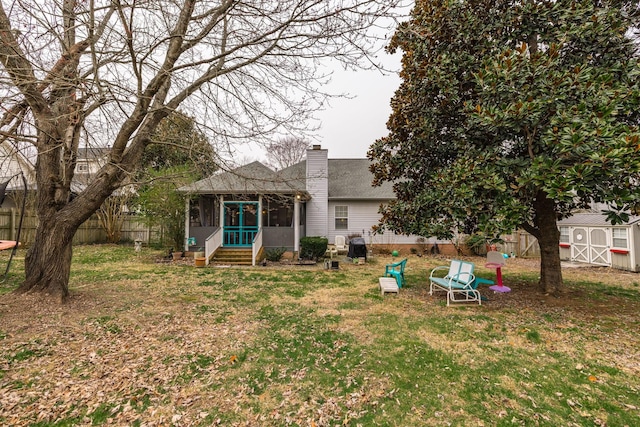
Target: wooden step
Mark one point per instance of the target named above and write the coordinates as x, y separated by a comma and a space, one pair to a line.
233, 256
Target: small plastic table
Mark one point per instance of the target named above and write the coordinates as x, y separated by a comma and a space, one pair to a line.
388, 285
499, 287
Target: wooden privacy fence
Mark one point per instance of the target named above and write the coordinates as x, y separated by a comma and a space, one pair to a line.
521, 244
89, 232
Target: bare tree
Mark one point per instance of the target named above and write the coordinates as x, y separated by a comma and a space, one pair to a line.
110, 71
113, 212
286, 152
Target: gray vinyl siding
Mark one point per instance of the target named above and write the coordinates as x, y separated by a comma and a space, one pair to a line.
318, 189
363, 215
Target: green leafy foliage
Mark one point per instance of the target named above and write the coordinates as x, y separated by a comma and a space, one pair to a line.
512, 114
313, 247
176, 142
178, 155
162, 205
275, 254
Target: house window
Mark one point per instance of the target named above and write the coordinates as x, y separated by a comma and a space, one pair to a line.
564, 234
620, 239
82, 167
342, 217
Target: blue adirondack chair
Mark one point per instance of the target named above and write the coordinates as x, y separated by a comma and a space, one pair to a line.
396, 270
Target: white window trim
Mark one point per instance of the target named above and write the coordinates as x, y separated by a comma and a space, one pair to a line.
625, 238
336, 217
567, 234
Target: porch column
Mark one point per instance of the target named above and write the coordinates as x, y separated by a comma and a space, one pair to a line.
186, 223
221, 219
259, 213
631, 241
296, 223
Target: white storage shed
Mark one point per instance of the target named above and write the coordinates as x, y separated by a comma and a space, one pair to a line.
589, 238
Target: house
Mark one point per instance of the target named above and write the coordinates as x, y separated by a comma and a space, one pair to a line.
12, 163
256, 208
589, 238
89, 160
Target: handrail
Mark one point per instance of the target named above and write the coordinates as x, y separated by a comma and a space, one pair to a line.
212, 243
256, 245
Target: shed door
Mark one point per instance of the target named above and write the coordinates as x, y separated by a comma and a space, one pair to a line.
598, 246
579, 245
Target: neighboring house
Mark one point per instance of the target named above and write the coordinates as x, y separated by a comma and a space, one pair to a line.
256, 207
12, 162
89, 160
589, 238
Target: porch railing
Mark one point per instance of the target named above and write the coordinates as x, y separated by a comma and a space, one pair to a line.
212, 243
239, 236
256, 245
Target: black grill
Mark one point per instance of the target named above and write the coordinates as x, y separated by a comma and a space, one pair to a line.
357, 248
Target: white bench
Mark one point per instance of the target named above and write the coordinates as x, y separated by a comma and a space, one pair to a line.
388, 285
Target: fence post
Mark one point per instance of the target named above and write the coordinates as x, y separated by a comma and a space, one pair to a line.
12, 225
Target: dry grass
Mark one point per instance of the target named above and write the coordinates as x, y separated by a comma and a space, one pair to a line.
147, 343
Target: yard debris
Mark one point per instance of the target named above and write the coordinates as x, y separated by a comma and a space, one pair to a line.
155, 349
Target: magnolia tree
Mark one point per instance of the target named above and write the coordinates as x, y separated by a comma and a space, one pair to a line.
107, 72
512, 114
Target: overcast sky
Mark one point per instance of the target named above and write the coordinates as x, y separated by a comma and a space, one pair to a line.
350, 126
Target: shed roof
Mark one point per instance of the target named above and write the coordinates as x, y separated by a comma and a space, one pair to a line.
593, 219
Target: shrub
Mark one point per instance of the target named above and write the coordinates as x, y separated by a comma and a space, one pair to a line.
313, 247
476, 243
382, 250
275, 255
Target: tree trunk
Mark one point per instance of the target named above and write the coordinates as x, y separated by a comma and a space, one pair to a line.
48, 260
548, 235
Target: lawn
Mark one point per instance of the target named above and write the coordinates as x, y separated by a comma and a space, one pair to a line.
145, 343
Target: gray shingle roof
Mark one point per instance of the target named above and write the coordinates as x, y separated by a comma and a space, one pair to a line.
248, 179
351, 179
592, 219
348, 179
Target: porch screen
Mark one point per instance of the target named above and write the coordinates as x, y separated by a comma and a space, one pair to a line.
277, 213
204, 211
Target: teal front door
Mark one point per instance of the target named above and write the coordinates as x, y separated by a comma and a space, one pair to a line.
240, 223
